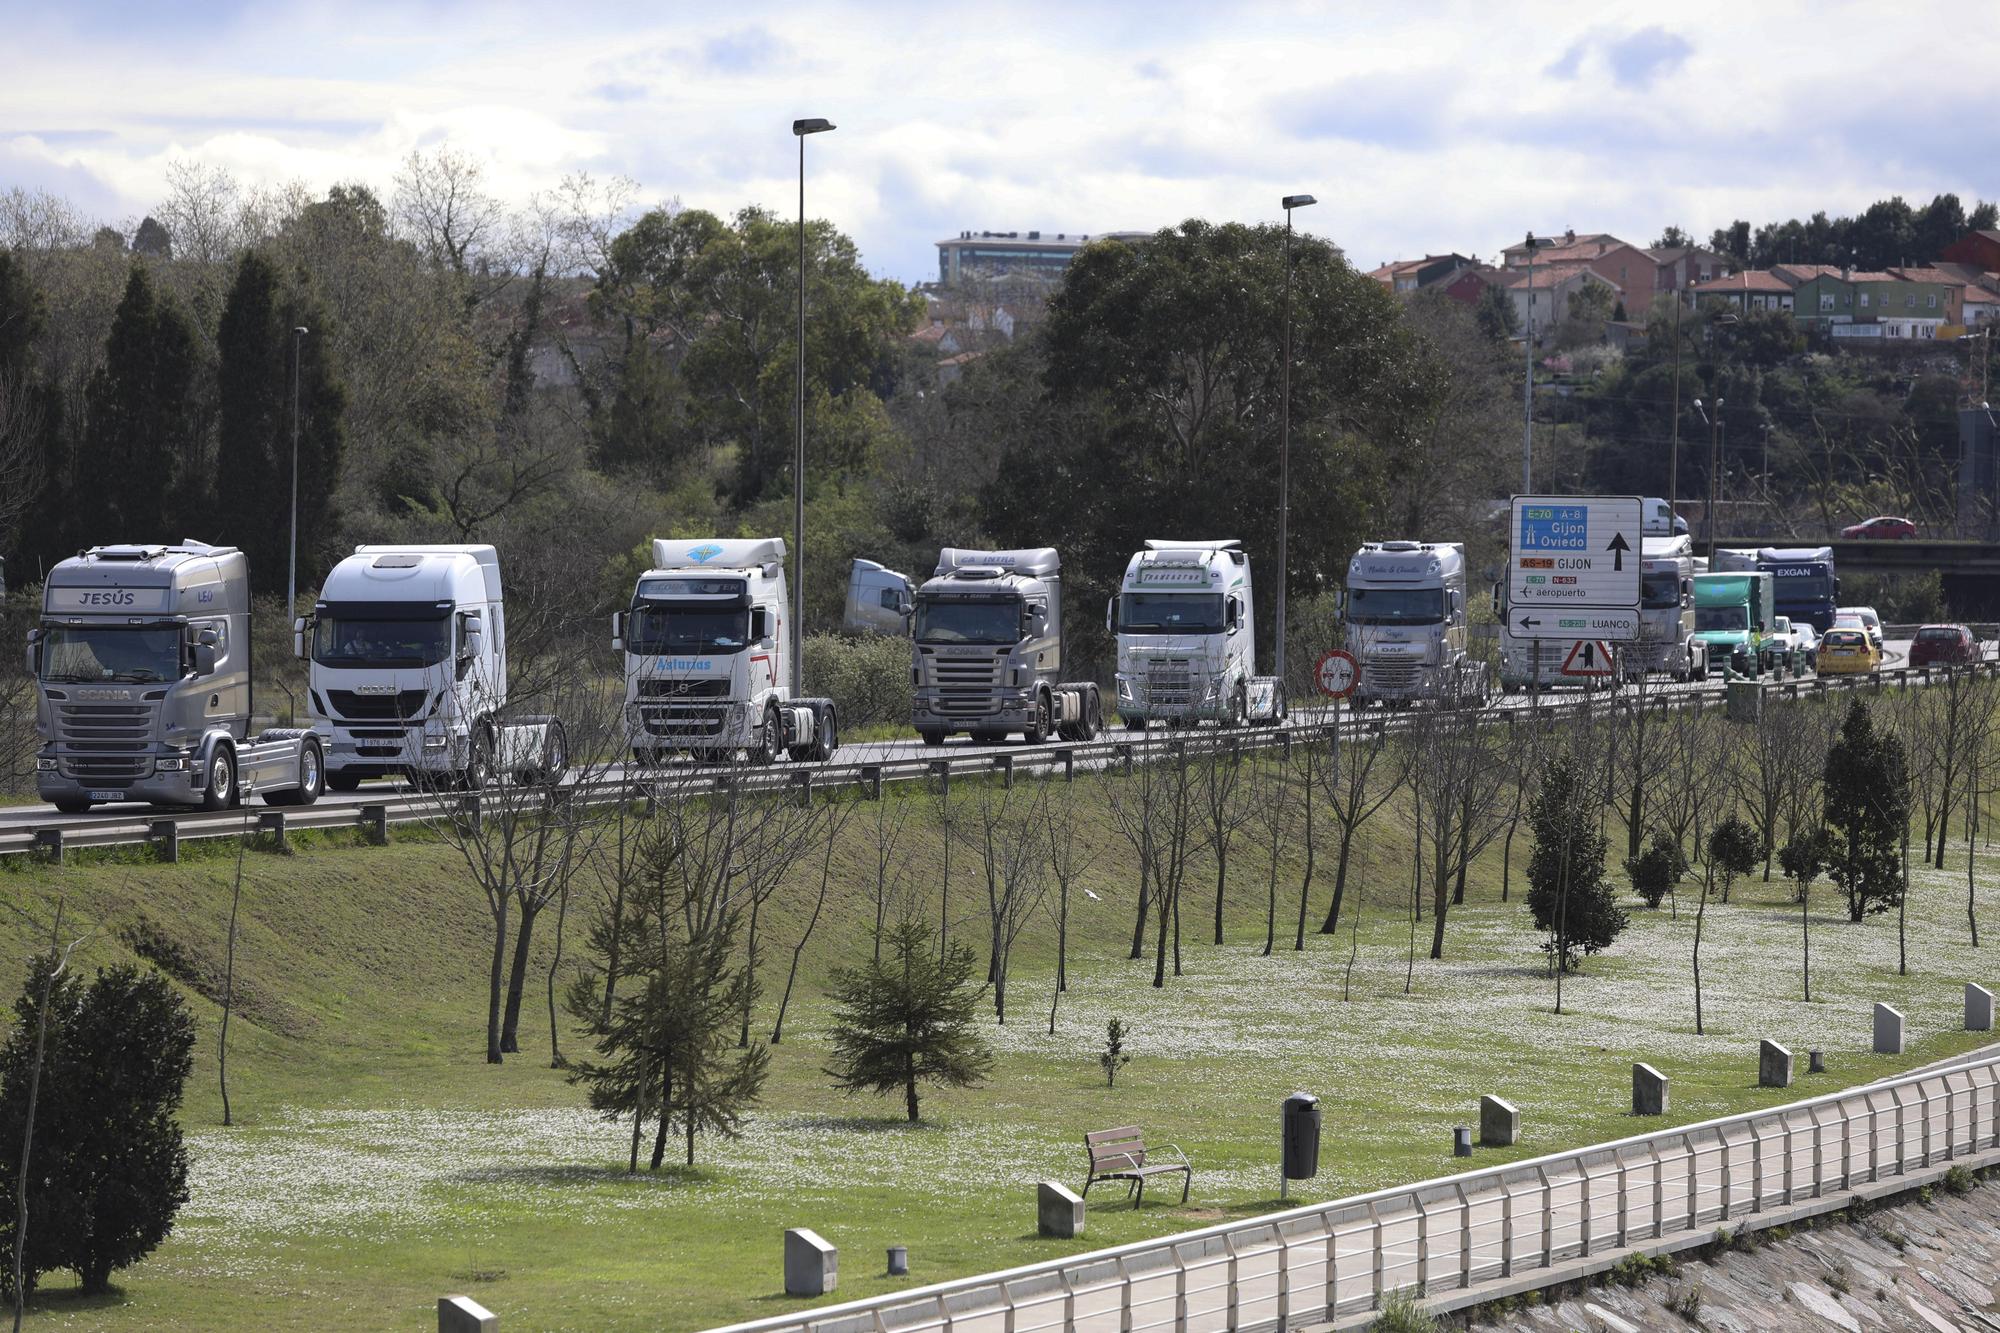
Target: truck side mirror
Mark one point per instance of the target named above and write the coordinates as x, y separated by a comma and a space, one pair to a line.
34, 656
617, 631
1495, 594
1340, 599
204, 659
760, 624
474, 642
1235, 616
299, 628
1110, 613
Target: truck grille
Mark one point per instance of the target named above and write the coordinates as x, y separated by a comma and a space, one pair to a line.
105, 740
966, 687
683, 689
682, 720
1393, 677
378, 707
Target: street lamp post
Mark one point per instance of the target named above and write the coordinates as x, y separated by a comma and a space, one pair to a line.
292, 575
1290, 202
1674, 445
1714, 424
1985, 336
1528, 382
800, 129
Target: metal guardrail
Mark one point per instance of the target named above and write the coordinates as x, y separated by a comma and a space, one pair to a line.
1341, 1260
411, 807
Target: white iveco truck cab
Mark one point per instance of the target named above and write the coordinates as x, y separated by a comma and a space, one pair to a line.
408, 675
879, 600
142, 661
986, 651
1667, 642
708, 664
1405, 610
1187, 637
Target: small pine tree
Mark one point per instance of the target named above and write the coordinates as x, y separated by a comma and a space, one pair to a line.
1733, 850
908, 1019
1868, 805
1114, 1057
109, 1169
1567, 894
1655, 871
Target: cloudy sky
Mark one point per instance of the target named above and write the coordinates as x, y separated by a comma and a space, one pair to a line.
1420, 127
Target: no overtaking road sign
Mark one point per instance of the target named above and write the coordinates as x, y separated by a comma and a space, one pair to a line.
1573, 567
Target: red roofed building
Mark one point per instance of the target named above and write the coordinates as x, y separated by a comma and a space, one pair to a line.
1981, 249
1753, 289
1403, 276
1541, 295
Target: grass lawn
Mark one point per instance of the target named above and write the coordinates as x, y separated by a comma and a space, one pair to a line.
378, 1162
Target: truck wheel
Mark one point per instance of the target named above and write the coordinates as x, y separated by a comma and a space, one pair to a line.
769, 739
1038, 728
338, 781
1131, 723
312, 780
1281, 705
1093, 717
71, 805
648, 756
221, 792
478, 769
554, 761
1238, 707
828, 739
931, 737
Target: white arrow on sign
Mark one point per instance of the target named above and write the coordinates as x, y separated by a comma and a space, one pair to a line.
1590, 657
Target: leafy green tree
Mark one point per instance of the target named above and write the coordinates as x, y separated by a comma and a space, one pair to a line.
1655, 871
143, 437
1114, 1056
908, 1019
1567, 894
1494, 312
1868, 806
24, 406
109, 1166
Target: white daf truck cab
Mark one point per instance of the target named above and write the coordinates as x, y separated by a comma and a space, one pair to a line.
1186, 637
142, 667
1405, 610
708, 664
407, 652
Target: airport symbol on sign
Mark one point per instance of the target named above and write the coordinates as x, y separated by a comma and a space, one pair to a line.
1569, 576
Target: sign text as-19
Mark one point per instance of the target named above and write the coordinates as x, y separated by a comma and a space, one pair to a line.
1337, 673
1574, 570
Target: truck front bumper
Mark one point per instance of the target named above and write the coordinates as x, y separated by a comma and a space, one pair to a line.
992, 710
173, 786
691, 725
373, 752
1169, 697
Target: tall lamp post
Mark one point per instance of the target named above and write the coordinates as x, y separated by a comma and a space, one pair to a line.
1528, 382
1714, 424
800, 129
292, 575
1290, 202
1985, 336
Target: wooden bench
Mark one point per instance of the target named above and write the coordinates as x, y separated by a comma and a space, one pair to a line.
1121, 1154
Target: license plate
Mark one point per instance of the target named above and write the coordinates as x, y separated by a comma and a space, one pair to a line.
106, 795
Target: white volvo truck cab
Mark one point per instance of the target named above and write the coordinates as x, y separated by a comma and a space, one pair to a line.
1186, 635
142, 670
407, 648
1405, 609
708, 664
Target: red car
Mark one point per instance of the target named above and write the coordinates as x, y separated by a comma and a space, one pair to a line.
1882, 528
1943, 645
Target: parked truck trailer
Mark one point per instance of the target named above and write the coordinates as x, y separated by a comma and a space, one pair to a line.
142, 667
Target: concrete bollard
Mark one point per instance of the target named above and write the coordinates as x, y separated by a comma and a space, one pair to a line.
812, 1267
49, 844
1815, 1061
1774, 1065
1649, 1091
271, 824
872, 775
462, 1314
1746, 700
1005, 764
375, 824
1461, 1140
1888, 1030
165, 835
899, 1260
1978, 1008
1058, 1210
1499, 1123
1067, 758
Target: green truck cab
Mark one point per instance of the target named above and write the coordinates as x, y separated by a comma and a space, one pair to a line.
1733, 615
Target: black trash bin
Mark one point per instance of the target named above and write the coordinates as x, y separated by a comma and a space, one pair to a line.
1301, 1136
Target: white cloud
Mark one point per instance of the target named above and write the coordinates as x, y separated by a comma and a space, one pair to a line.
1421, 128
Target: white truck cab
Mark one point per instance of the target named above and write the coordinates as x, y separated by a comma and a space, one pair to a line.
1186, 637
708, 657
1406, 613
407, 648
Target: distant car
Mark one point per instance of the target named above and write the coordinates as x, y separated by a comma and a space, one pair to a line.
1881, 528
1796, 642
1848, 652
1867, 618
1943, 645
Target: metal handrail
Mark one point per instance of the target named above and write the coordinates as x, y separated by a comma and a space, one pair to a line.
1346, 1256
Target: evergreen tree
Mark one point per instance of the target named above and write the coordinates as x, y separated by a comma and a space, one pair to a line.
1655, 871
142, 433
253, 387
1868, 806
908, 1019
27, 504
109, 1167
1567, 893
322, 438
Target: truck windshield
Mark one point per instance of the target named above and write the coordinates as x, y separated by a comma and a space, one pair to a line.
954, 620
1170, 613
688, 627
135, 653
359, 641
1660, 590
1802, 583
1721, 617
1395, 606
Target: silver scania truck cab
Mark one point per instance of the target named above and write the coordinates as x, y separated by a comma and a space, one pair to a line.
986, 651
142, 661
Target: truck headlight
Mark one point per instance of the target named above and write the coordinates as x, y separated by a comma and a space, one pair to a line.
1124, 687
435, 742
175, 764
44, 765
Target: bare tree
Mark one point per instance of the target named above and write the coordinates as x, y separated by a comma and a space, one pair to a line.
1307, 779
1224, 811
1455, 765
833, 825
889, 869
202, 213
1355, 789
1271, 813
1007, 831
1157, 809
444, 207
1068, 862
